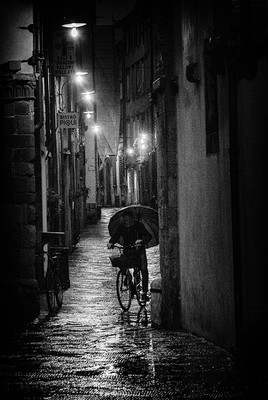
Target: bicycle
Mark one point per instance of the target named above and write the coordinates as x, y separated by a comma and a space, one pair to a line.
53, 284
127, 285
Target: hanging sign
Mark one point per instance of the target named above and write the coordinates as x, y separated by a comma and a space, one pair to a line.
64, 55
68, 120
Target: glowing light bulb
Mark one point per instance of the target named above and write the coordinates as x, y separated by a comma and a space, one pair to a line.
96, 128
74, 32
79, 76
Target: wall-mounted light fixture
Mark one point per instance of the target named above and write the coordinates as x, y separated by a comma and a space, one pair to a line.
29, 28
73, 26
88, 95
88, 114
79, 76
130, 151
81, 73
96, 128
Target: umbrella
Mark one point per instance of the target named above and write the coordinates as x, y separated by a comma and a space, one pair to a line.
146, 215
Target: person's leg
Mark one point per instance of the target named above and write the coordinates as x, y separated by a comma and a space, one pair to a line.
144, 272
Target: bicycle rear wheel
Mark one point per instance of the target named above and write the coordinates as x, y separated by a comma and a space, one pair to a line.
123, 288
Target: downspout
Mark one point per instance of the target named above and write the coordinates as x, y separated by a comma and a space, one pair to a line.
39, 121
37, 50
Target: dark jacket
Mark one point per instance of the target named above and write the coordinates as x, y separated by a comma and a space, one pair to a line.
130, 235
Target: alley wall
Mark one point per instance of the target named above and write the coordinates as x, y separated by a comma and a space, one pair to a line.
204, 209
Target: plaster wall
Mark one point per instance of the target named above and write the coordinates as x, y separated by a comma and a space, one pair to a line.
252, 132
205, 234
16, 44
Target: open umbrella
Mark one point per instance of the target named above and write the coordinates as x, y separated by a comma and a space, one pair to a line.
146, 215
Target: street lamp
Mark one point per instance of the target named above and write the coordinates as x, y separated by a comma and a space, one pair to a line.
79, 76
88, 114
73, 26
88, 95
130, 151
96, 128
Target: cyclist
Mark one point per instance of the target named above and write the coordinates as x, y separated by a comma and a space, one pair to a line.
134, 233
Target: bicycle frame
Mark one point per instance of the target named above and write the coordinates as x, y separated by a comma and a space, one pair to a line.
127, 284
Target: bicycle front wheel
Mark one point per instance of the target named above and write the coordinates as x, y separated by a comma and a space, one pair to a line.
138, 286
58, 291
50, 290
123, 288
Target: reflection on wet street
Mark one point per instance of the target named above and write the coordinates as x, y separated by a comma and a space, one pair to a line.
90, 350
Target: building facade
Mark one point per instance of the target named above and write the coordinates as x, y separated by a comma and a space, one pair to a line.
107, 89
209, 105
137, 136
208, 95
44, 165
193, 120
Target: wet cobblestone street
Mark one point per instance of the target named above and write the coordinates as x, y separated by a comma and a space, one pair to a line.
90, 350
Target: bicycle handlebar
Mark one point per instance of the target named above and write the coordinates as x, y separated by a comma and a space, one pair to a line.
49, 253
126, 247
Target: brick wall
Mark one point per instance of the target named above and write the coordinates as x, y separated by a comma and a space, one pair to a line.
18, 284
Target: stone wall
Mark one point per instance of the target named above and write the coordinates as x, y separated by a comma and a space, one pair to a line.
19, 287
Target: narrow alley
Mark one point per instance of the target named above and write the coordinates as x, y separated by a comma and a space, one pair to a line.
90, 350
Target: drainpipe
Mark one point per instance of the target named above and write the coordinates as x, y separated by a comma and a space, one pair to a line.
39, 120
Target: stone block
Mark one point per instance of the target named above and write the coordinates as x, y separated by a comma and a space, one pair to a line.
9, 109
24, 169
26, 155
10, 126
19, 141
24, 184
25, 198
19, 262
22, 108
13, 213
31, 214
28, 236
25, 124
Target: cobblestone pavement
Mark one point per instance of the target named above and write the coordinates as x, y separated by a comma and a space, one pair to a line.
90, 350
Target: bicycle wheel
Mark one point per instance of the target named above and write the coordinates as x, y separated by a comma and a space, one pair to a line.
58, 291
123, 288
138, 286
57, 282
50, 290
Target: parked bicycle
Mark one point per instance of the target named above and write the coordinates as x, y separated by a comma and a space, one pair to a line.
128, 284
53, 283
